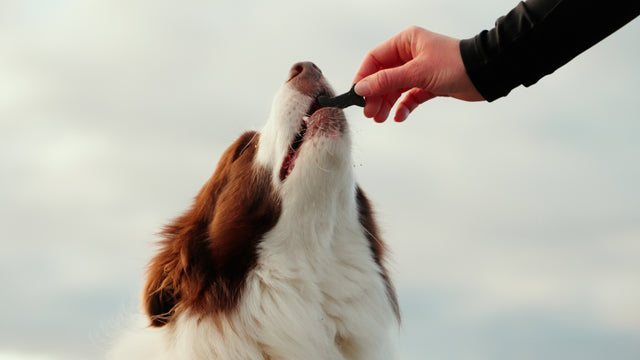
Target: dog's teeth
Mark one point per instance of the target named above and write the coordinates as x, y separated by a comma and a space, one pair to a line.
305, 118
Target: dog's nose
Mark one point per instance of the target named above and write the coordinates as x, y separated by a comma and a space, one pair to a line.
305, 69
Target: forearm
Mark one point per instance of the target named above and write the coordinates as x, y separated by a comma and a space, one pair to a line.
536, 38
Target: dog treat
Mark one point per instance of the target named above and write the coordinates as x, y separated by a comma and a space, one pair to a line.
342, 101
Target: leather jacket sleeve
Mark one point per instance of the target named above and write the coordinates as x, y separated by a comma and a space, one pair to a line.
536, 38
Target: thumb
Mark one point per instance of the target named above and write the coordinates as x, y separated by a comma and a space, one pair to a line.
385, 81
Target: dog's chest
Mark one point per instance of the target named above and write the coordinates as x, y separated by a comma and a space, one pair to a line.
322, 280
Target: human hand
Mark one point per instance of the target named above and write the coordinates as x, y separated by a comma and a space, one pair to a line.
416, 61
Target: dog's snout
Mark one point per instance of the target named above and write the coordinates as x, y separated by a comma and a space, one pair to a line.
307, 78
305, 69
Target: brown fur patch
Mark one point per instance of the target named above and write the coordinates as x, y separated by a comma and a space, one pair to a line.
376, 244
207, 252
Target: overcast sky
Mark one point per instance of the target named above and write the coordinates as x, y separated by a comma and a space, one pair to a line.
514, 226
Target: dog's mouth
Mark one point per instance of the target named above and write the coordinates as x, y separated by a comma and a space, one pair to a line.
292, 154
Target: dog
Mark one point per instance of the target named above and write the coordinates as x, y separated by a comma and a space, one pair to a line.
279, 256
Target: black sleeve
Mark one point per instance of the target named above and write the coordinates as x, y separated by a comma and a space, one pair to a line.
536, 38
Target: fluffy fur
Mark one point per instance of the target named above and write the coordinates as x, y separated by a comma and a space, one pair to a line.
279, 257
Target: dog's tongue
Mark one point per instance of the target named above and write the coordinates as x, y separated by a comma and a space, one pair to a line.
342, 101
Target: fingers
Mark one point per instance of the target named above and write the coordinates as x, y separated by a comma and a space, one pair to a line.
382, 90
384, 56
389, 70
369, 65
388, 102
386, 81
411, 101
379, 107
372, 106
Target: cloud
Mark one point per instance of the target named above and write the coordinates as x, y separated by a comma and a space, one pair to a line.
512, 225
440, 323
22, 356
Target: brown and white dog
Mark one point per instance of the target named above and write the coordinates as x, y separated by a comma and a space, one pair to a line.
279, 257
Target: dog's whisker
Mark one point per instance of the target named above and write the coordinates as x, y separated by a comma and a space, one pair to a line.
322, 168
248, 143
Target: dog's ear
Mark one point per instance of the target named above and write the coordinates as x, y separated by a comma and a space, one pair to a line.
160, 295
208, 251
185, 267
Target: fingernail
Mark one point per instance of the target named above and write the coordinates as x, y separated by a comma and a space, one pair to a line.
362, 88
402, 114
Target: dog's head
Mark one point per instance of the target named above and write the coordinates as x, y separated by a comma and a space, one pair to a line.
302, 154
300, 134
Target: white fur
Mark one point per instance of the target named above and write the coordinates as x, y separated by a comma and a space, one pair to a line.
316, 292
